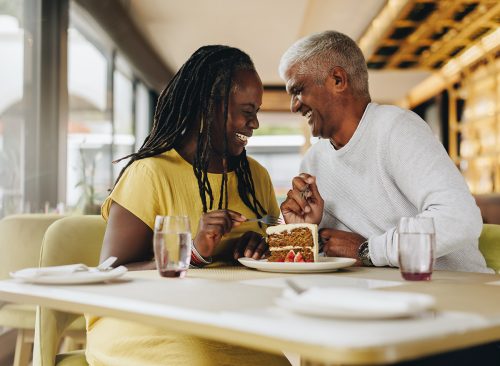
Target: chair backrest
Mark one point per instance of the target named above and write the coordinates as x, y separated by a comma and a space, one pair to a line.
489, 204
21, 237
74, 239
489, 245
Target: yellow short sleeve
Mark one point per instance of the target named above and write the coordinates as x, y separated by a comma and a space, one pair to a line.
136, 192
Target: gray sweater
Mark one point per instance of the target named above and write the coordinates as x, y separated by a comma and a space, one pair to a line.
394, 166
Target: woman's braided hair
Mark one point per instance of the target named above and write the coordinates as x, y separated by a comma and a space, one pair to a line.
194, 94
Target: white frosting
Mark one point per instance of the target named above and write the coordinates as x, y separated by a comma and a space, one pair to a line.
289, 227
289, 247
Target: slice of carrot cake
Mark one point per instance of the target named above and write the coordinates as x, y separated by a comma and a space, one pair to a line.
293, 243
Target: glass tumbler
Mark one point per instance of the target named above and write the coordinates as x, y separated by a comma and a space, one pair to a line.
416, 245
172, 245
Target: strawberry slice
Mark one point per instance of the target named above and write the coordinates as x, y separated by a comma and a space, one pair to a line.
299, 257
290, 256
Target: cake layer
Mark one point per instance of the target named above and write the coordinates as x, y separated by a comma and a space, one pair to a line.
297, 237
280, 255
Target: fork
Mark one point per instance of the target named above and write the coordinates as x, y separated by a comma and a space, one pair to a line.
106, 264
294, 286
267, 220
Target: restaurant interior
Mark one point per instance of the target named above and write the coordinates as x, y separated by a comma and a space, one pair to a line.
80, 79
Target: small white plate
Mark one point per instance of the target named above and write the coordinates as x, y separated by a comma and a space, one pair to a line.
81, 277
356, 303
325, 264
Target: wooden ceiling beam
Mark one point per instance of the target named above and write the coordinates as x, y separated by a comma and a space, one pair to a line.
426, 30
460, 31
461, 37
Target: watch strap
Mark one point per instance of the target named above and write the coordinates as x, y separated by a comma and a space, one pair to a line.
364, 254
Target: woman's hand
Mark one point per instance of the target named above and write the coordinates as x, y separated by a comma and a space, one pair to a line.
303, 202
213, 225
250, 245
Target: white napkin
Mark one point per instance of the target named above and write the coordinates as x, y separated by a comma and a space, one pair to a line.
51, 271
353, 302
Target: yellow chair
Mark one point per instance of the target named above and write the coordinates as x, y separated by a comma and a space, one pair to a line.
489, 245
75, 239
20, 241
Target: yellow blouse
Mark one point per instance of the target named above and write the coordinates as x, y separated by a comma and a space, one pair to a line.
166, 185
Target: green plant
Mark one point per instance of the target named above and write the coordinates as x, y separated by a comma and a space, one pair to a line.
87, 201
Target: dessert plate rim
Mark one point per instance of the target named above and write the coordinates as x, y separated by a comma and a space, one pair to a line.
325, 264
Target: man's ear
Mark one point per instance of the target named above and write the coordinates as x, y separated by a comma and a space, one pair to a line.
338, 78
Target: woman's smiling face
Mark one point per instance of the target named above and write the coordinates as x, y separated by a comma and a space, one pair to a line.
245, 100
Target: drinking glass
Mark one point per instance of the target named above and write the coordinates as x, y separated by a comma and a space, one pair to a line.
416, 244
172, 245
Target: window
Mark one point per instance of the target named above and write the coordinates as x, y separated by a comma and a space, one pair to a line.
123, 137
108, 106
45, 159
143, 115
89, 126
278, 144
12, 118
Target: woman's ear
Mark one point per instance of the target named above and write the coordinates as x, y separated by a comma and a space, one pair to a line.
338, 78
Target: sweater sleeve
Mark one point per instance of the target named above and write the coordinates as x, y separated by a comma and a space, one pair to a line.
425, 174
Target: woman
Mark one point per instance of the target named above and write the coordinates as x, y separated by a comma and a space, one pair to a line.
193, 162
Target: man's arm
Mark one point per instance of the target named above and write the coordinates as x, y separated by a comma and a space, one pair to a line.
425, 174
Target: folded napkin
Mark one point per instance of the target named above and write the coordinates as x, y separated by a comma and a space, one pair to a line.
341, 301
52, 271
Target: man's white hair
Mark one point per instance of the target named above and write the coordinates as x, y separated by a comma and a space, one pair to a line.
318, 53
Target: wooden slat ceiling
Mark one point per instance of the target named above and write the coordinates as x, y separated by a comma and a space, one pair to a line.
428, 33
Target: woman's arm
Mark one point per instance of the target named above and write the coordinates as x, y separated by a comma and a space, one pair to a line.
129, 239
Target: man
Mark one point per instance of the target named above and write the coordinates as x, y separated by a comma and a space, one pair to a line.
373, 164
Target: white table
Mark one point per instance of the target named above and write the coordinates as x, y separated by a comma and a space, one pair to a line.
236, 305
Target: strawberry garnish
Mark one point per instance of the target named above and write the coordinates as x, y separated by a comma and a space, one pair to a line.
290, 256
298, 257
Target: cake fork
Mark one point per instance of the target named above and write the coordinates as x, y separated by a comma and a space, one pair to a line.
267, 220
106, 264
296, 288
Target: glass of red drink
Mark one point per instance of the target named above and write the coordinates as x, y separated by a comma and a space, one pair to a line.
416, 245
172, 245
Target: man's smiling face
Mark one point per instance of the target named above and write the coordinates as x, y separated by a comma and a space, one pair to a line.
313, 99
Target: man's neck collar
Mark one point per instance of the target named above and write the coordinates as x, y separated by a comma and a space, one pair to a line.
334, 145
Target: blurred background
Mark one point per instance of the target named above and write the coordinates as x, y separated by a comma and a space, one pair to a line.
79, 81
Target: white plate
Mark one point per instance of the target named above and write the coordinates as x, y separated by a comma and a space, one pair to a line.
326, 264
356, 303
91, 276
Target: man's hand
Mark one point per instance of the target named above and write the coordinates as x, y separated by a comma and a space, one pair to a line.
337, 243
213, 225
250, 245
303, 202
